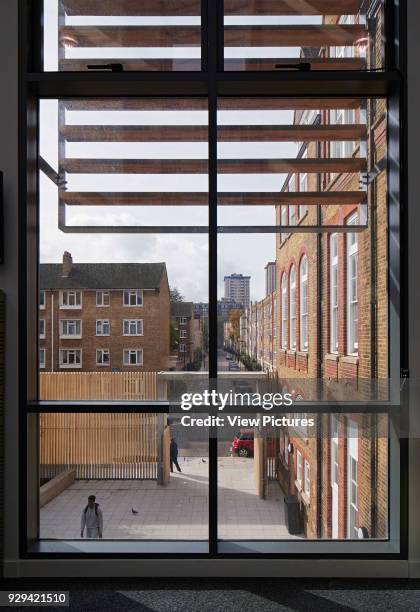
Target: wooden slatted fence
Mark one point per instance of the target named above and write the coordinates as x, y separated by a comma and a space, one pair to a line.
99, 445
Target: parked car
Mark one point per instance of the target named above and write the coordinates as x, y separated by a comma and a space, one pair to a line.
243, 443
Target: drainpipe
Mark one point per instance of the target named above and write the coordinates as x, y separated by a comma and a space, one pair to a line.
52, 331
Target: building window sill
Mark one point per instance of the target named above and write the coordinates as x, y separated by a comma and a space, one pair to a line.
62, 307
332, 357
305, 498
71, 337
353, 359
71, 367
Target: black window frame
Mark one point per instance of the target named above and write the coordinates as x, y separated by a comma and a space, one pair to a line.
212, 82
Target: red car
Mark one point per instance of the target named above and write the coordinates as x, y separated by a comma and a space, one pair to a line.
243, 443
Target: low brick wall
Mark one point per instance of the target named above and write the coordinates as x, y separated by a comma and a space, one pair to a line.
55, 486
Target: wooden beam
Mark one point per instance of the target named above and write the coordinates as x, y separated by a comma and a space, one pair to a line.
134, 166
285, 198
132, 7
141, 104
268, 166
73, 198
164, 65
259, 104
224, 103
200, 166
294, 35
292, 7
193, 133
130, 36
319, 63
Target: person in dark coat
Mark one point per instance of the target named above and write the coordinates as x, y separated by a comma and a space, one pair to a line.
173, 452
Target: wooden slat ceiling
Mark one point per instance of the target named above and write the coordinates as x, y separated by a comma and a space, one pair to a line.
199, 166
201, 198
192, 133
235, 36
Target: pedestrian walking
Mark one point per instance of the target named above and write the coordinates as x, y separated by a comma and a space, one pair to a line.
173, 452
91, 519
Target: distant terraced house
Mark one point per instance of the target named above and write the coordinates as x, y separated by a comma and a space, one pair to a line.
103, 317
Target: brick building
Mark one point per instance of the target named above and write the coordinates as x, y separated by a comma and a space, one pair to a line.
103, 317
182, 320
332, 313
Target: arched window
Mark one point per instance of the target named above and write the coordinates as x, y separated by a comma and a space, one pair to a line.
292, 308
303, 303
352, 291
334, 293
283, 312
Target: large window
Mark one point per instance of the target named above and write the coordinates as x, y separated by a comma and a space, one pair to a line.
334, 293
284, 311
200, 231
352, 290
292, 308
303, 310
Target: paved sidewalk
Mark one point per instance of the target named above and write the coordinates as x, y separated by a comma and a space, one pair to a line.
176, 511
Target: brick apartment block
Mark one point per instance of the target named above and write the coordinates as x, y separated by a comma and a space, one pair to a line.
339, 474
104, 317
182, 319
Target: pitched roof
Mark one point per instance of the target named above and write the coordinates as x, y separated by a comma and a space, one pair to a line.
103, 276
182, 309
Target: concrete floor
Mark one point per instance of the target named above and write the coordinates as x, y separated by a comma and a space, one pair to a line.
176, 511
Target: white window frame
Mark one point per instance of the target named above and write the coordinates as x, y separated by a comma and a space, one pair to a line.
181, 348
334, 330
100, 324
138, 352
303, 304
342, 148
42, 351
334, 473
299, 469
352, 290
65, 322
102, 352
71, 366
352, 480
42, 299
137, 323
42, 327
182, 333
101, 298
292, 308
71, 292
182, 320
284, 311
129, 293
307, 479
303, 188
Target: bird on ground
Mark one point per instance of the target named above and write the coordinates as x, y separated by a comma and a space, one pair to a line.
134, 511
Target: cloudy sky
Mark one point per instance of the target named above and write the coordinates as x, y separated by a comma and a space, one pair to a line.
186, 255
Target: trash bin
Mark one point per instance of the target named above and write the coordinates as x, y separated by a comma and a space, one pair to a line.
293, 515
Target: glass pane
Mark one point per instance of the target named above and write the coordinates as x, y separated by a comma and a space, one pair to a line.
119, 304
286, 162
122, 35
303, 35
148, 473
269, 490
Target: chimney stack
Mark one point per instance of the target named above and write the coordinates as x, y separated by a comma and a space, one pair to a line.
67, 263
